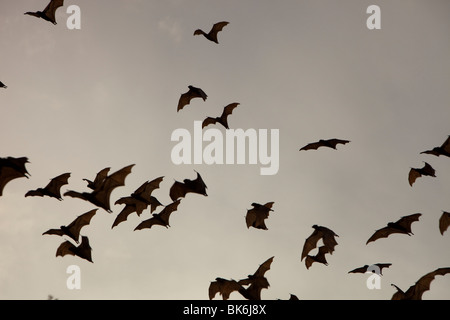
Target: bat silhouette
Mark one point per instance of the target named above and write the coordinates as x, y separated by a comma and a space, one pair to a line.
415, 173
293, 297
444, 222
320, 232
2, 85
49, 12
74, 228
256, 282
224, 287
161, 218
98, 180
223, 119
212, 34
52, 189
12, 168
416, 291
443, 150
255, 217
374, 268
319, 257
180, 189
401, 226
331, 143
84, 250
192, 93
100, 196
139, 200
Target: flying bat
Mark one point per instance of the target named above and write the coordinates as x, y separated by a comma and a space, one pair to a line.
443, 150
319, 257
444, 222
374, 268
320, 232
255, 217
331, 143
416, 291
180, 189
100, 196
52, 189
12, 168
192, 93
161, 218
83, 251
49, 12
256, 282
212, 34
224, 287
415, 173
2, 85
401, 226
223, 119
74, 228
98, 180
138, 201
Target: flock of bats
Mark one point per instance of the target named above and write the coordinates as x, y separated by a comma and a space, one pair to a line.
103, 184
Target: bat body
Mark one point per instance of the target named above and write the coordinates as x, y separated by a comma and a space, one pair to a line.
212, 34
192, 93
48, 13
319, 257
426, 170
401, 226
224, 287
2, 85
416, 291
320, 232
84, 250
180, 189
330, 143
12, 168
139, 200
74, 228
223, 119
101, 195
368, 268
255, 217
52, 189
443, 150
161, 218
444, 222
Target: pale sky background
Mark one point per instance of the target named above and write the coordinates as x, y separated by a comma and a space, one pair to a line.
106, 96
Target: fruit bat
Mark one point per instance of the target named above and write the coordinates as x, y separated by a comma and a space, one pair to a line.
374, 268
212, 34
12, 168
443, 150
192, 93
416, 291
74, 228
255, 217
223, 119
2, 85
52, 189
138, 201
180, 189
331, 143
100, 196
224, 287
98, 180
320, 232
256, 282
401, 226
444, 222
83, 250
161, 218
415, 173
319, 257
49, 12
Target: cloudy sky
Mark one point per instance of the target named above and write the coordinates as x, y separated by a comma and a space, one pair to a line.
106, 96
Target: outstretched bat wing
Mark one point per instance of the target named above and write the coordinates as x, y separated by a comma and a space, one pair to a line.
263, 268
382, 233
50, 10
99, 178
406, 221
334, 142
312, 146
444, 222
208, 121
224, 287
83, 220
178, 190
413, 175
186, 98
311, 243
55, 184
10, 169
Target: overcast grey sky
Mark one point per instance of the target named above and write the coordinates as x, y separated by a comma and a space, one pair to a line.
106, 96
